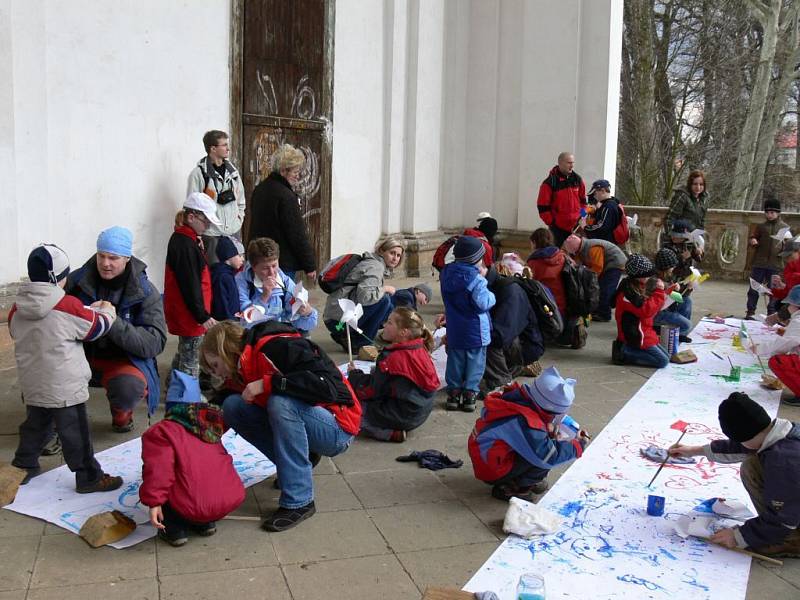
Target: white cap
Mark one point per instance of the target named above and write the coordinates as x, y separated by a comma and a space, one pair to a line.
483, 215
203, 203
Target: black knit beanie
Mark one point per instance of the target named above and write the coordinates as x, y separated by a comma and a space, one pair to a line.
741, 418
772, 204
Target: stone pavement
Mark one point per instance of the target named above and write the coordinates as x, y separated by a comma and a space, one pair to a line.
383, 529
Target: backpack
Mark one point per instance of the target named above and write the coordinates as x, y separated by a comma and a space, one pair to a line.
543, 304
581, 289
621, 232
334, 274
444, 253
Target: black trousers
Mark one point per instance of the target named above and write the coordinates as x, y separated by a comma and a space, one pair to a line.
72, 426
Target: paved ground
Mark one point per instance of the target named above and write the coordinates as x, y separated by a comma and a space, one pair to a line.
384, 529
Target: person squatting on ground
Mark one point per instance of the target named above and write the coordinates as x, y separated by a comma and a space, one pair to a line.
791, 272
47, 327
636, 306
562, 198
398, 395
123, 362
515, 442
293, 405
262, 283
224, 292
188, 478
413, 297
769, 451
187, 282
604, 259
364, 285
767, 261
467, 301
677, 314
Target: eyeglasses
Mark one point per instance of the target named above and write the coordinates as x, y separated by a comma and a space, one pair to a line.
225, 145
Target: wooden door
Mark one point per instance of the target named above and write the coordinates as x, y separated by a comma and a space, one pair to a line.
282, 82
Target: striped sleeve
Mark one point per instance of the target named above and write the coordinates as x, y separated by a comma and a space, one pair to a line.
90, 324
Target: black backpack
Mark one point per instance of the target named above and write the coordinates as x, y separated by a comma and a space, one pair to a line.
543, 303
581, 289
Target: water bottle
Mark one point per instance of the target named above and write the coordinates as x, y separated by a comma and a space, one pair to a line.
530, 587
569, 427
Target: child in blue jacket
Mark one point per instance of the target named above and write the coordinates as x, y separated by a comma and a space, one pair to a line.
467, 301
224, 293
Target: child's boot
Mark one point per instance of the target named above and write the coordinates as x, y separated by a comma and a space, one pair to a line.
453, 399
468, 400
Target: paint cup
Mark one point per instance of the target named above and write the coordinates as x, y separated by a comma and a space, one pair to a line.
736, 374
530, 587
655, 505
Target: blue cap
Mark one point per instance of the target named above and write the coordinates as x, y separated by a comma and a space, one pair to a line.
116, 240
600, 184
793, 297
552, 392
183, 388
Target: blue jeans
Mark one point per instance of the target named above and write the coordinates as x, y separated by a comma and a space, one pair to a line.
654, 356
677, 315
761, 275
465, 368
608, 282
371, 321
285, 432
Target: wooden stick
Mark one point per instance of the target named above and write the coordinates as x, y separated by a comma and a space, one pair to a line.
666, 459
768, 559
241, 518
349, 343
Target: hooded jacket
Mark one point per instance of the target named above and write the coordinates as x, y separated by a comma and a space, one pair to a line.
767, 253
398, 394
231, 215
187, 284
561, 198
279, 305
224, 292
635, 312
139, 331
606, 218
547, 265
467, 301
363, 285
513, 317
48, 328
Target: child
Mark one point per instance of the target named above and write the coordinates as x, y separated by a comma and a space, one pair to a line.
678, 314
225, 294
791, 272
769, 451
263, 284
467, 301
188, 479
680, 242
398, 395
413, 297
783, 349
607, 261
607, 214
48, 329
637, 342
514, 443
187, 282
766, 259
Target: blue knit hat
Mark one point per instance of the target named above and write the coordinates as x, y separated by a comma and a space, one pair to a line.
793, 297
48, 263
468, 250
183, 389
226, 248
116, 240
552, 392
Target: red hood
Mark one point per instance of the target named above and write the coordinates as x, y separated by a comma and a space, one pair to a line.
410, 360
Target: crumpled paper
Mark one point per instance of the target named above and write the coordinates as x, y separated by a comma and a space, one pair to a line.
527, 519
688, 525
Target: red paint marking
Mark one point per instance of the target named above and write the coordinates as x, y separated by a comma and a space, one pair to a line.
679, 425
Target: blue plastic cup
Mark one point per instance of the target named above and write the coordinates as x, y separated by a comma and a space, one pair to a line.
655, 505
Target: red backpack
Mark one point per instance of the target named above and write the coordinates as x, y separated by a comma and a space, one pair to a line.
621, 232
444, 253
334, 274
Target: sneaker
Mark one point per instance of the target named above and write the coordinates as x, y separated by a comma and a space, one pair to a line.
286, 518
205, 529
106, 483
121, 420
579, 336
684, 339
791, 401
468, 400
532, 370
617, 357
173, 536
453, 400
52, 447
398, 436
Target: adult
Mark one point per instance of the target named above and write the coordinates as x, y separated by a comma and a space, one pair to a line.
364, 285
607, 261
215, 176
690, 204
124, 361
293, 403
562, 198
275, 213
607, 213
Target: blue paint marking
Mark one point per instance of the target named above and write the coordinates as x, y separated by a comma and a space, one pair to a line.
649, 585
690, 577
571, 508
667, 554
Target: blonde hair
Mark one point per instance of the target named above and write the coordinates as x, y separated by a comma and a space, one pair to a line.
411, 320
387, 243
287, 157
505, 270
225, 341
179, 218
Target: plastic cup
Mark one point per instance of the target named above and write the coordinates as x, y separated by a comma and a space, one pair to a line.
736, 374
530, 587
655, 505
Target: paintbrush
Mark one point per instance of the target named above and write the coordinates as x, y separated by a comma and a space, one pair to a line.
717, 355
768, 559
683, 433
731, 362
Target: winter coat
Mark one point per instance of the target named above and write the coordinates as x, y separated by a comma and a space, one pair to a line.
780, 458
467, 301
561, 198
48, 327
600, 256
513, 317
635, 312
224, 292
204, 178
187, 284
275, 213
405, 297
140, 331
511, 425
547, 265
398, 394
767, 253
788, 343
196, 477
279, 305
488, 256
606, 218
363, 285
791, 277
289, 364
684, 206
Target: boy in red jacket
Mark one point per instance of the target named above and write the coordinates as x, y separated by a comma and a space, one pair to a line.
791, 271
188, 478
187, 281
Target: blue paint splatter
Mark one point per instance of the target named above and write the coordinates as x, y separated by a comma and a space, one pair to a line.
571, 508
690, 577
667, 554
639, 581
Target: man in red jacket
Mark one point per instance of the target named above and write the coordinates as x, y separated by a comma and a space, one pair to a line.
562, 198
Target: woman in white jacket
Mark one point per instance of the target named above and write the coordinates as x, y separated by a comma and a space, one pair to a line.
783, 349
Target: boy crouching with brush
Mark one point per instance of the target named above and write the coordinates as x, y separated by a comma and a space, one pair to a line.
770, 455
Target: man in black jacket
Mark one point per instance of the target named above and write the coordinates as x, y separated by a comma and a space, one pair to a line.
275, 213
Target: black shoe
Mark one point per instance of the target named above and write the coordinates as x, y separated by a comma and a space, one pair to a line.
791, 401
453, 400
684, 339
750, 316
506, 492
286, 518
52, 447
106, 483
205, 529
617, 357
173, 536
468, 400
